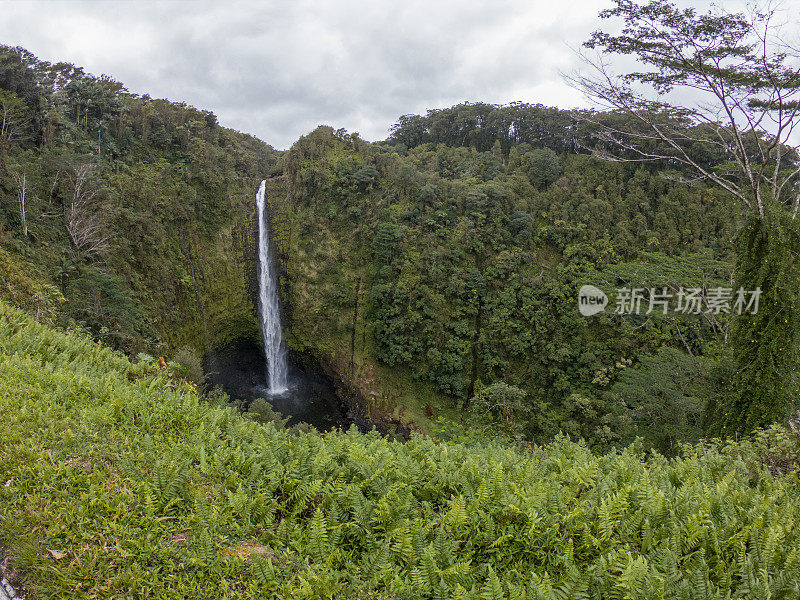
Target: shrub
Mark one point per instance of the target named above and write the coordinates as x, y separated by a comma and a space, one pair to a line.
261, 411
502, 407
192, 364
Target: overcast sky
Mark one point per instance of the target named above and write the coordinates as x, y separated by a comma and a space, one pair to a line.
277, 69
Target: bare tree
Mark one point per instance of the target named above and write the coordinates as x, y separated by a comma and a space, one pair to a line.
22, 188
84, 223
736, 80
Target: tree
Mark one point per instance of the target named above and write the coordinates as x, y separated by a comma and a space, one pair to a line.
22, 174
12, 120
21, 180
84, 224
661, 397
501, 406
18, 79
764, 384
745, 86
744, 82
542, 166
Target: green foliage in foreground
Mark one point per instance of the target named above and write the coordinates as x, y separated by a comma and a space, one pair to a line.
122, 483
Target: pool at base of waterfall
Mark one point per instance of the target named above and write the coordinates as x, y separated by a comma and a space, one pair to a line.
310, 398
307, 400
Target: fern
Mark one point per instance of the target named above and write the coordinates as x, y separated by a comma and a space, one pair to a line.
573, 587
493, 589
204, 547
352, 515
317, 541
263, 572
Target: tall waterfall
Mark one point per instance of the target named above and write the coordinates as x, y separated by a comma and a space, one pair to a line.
268, 303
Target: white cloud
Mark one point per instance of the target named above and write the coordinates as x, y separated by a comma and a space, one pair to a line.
277, 69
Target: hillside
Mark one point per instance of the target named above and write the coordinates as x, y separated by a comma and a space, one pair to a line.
126, 216
492, 351
433, 271
119, 481
417, 272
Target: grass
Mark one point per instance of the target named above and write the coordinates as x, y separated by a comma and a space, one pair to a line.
120, 482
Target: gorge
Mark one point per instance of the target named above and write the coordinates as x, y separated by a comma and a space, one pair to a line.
361, 369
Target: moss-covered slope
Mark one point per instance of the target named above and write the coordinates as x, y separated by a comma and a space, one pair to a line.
138, 217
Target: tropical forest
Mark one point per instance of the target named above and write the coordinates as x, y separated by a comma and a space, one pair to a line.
507, 351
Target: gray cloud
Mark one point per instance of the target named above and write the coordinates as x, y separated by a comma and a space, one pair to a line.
277, 69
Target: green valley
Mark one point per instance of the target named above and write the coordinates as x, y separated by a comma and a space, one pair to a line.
504, 350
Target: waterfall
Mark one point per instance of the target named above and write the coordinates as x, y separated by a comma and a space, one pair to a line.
274, 349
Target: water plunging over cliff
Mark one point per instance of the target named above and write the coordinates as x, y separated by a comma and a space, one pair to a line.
274, 349
299, 390
298, 387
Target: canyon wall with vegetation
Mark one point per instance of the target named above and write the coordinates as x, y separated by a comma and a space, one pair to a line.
126, 216
434, 275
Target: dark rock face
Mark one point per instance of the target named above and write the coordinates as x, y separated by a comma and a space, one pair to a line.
237, 368
317, 394
351, 397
